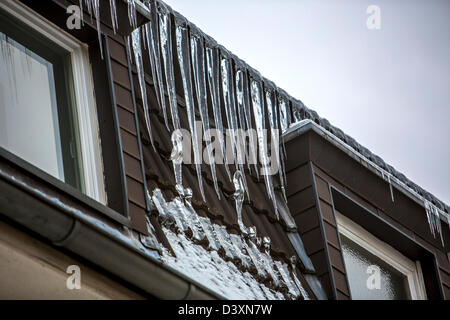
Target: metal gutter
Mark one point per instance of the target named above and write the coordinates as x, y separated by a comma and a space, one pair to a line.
298, 128
78, 232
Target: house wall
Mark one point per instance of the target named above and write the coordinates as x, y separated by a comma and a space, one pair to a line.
322, 168
30, 269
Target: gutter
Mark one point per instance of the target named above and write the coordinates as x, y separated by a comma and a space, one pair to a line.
95, 241
298, 128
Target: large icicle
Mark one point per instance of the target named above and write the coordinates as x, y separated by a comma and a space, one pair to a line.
243, 100
132, 17
212, 59
184, 60
284, 120
113, 9
258, 113
165, 36
434, 219
198, 66
272, 110
137, 49
177, 156
230, 110
155, 59
239, 198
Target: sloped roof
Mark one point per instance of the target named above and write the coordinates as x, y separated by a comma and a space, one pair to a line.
258, 209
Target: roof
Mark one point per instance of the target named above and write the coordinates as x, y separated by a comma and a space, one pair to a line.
203, 236
260, 207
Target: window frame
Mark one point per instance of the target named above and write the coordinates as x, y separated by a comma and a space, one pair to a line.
85, 118
412, 270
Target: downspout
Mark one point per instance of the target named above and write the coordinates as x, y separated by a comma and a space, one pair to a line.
94, 240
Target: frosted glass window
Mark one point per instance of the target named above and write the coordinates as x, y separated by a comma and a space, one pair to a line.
393, 284
28, 115
36, 101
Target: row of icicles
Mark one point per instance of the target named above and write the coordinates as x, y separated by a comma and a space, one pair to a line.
206, 70
212, 68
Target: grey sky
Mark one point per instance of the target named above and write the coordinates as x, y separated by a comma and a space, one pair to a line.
387, 88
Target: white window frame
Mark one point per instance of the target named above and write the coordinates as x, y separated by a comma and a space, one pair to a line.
86, 112
410, 269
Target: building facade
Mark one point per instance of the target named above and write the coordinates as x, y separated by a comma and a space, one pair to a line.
100, 198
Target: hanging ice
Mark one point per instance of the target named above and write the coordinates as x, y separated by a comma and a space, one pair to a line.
165, 36
113, 9
258, 113
155, 59
238, 197
198, 67
434, 219
230, 111
284, 114
212, 59
243, 100
177, 156
132, 17
184, 60
272, 109
137, 49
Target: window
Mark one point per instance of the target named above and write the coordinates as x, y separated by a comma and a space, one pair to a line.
375, 270
47, 109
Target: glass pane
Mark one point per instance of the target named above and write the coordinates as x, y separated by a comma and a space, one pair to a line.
37, 104
28, 112
392, 285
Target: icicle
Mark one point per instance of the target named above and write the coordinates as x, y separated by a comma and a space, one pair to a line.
258, 112
132, 17
212, 59
113, 9
230, 111
89, 7
137, 49
96, 8
184, 60
434, 219
272, 109
390, 187
243, 101
198, 66
155, 59
177, 156
81, 12
284, 114
165, 36
238, 196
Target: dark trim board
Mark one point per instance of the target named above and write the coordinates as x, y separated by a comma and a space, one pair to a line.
43, 181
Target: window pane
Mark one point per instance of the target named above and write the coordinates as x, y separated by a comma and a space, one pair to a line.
393, 284
37, 106
28, 113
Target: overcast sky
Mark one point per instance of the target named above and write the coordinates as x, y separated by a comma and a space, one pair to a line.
387, 88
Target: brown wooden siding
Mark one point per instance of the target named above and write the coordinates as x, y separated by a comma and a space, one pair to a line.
129, 134
322, 178
332, 237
